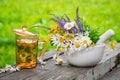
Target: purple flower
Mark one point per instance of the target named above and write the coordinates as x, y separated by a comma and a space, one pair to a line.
59, 21
79, 24
65, 19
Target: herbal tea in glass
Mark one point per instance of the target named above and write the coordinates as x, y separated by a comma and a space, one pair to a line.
26, 48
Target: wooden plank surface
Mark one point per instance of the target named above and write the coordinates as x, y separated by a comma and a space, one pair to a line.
113, 75
66, 72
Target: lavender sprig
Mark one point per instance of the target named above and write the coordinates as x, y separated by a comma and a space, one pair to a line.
63, 19
79, 24
68, 19
60, 22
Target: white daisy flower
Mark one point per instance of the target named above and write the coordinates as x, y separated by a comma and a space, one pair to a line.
69, 25
12, 69
64, 49
2, 70
80, 43
59, 61
57, 40
79, 46
41, 61
70, 48
8, 67
66, 46
86, 41
55, 57
78, 38
18, 68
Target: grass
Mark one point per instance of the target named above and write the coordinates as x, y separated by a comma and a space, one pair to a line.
103, 14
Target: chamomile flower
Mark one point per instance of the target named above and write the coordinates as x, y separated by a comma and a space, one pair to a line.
2, 70
59, 61
66, 46
55, 57
73, 47
86, 41
70, 49
54, 39
10, 68
18, 68
41, 61
78, 38
57, 40
69, 25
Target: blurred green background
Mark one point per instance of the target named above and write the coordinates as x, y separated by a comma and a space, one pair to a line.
103, 14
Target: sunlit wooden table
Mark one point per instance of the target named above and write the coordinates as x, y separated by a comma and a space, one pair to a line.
51, 71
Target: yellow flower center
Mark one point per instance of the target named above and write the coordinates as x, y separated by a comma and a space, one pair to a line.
77, 45
68, 46
71, 37
93, 44
60, 62
61, 39
65, 37
69, 25
56, 57
60, 49
85, 42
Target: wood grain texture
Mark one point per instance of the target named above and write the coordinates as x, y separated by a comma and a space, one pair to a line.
113, 75
50, 71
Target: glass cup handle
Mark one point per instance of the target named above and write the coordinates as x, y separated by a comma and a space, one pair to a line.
43, 50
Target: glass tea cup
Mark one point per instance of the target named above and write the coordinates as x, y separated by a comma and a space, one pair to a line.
26, 50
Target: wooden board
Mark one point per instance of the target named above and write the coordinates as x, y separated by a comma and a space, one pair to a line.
113, 75
50, 71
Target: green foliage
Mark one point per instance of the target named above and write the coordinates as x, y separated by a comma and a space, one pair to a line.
94, 33
103, 14
118, 65
7, 55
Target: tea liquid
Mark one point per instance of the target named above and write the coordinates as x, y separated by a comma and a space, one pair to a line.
26, 50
